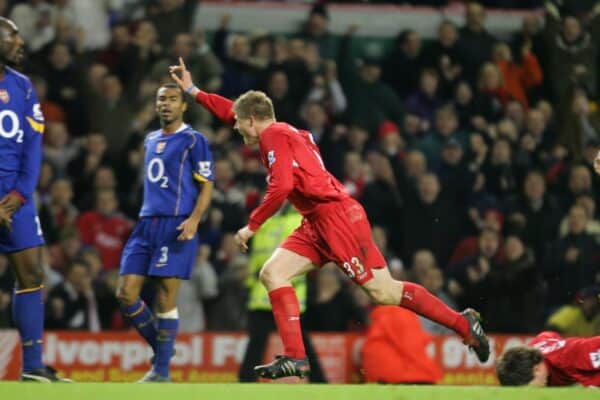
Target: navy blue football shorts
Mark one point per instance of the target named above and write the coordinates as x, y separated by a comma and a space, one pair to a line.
153, 249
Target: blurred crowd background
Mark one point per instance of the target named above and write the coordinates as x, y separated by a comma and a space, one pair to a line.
472, 155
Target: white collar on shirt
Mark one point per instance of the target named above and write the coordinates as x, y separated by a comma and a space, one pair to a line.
181, 128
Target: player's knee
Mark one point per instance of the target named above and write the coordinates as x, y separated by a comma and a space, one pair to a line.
30, 276
385, 295
166, 305
125, 296
381, 297
166, 301
270, 277
265, 276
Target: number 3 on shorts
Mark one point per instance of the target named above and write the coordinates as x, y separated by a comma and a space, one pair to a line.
164, 254
353, 268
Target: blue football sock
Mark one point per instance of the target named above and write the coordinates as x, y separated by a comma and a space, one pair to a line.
165, 343
143, 320
28, 315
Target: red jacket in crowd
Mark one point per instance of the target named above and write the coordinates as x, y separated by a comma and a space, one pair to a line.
108, 234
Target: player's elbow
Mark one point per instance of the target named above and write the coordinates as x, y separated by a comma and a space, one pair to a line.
278, 193
125, 295
384, 298
386, 293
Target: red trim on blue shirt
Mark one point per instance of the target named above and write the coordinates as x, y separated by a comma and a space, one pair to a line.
20, 196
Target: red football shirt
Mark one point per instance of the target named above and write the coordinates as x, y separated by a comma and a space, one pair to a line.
108, 234
570, 360
293, 160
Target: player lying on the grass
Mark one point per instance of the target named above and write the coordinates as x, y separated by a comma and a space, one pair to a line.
177, 191
21, 128
334, 228
552, 360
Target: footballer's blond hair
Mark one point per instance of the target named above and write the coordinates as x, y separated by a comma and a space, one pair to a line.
255, 104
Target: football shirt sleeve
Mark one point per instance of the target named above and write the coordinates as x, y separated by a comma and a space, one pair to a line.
220, 106
32, 140
202, 160
583, 356
281, 177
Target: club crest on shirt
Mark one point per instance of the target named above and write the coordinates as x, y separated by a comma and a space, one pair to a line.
595, 359
271, 158
550, 345
4, 97
160, 147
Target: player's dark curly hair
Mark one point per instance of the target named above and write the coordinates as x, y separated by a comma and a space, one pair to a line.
515, 367
170, 85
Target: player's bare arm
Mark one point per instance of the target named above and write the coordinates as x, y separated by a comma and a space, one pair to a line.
597, 163
189, 227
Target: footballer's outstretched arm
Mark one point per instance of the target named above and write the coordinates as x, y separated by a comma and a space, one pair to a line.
220, 106
202, 162
189, 227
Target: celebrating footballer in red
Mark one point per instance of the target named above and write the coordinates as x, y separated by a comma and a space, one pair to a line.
334, 229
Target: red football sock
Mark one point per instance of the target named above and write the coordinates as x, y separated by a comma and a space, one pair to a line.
286, 311
418, 299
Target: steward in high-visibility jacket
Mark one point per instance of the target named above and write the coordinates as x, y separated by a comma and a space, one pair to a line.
270, 235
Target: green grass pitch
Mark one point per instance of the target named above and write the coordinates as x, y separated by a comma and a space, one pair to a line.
236, 391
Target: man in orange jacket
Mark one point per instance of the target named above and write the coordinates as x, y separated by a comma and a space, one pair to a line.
395, 349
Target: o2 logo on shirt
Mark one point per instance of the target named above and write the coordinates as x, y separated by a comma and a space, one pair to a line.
9, 120
271, 158
156, 172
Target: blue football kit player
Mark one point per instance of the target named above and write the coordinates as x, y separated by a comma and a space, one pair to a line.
177, 191
21, 128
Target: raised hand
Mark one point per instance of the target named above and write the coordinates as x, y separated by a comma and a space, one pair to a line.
181, 76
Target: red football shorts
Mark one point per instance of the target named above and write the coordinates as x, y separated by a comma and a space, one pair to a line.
338, 232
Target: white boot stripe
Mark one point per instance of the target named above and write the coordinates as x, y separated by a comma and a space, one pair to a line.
37, 378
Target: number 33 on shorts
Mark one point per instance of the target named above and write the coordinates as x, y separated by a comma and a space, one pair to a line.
353, 268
